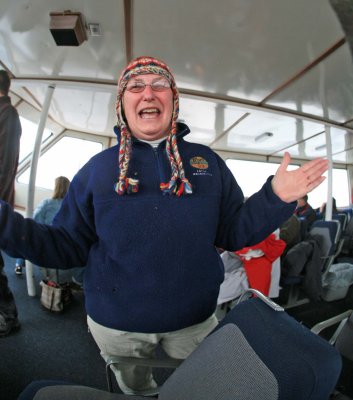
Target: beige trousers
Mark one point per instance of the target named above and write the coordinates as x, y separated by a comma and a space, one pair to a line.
177, 344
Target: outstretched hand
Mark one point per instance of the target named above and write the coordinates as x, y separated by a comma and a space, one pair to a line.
292, 185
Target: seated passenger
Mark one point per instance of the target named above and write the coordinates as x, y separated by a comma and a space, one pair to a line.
322, 211
290, 232
305, 210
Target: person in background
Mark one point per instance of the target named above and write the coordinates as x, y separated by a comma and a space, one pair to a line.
290, 232
146, 218
305, 210
44, 214
10, 134
322, 211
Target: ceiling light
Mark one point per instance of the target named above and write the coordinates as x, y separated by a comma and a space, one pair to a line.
321, 147
263, 136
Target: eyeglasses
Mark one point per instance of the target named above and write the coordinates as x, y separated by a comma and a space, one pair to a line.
139, 86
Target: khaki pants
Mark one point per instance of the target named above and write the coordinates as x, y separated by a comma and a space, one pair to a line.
177, 344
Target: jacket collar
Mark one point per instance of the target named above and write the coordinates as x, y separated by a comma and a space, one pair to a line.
5, 99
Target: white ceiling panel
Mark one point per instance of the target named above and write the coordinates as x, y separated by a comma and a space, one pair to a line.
317, 146
206, 119
234, 47
27, 47
285, 130
325, 91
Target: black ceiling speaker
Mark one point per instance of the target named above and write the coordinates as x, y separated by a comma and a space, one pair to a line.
67, 28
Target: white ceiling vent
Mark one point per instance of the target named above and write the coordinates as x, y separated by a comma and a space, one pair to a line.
94, 29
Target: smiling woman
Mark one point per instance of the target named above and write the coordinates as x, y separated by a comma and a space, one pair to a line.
149, 115
148, 106
101, 225
148, 243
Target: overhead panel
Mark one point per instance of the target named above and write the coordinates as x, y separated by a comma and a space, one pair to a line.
28, 48
94, 115
33, 114
243, 48
325, 91
266, 133
206, 119
316, 146
234, 51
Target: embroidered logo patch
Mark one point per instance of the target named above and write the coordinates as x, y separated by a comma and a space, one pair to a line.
198, 163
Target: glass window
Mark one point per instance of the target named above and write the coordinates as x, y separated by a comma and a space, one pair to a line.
65, 158
28, 137
340, 190
251, 175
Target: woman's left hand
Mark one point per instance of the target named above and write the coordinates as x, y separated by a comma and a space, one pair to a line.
292, 185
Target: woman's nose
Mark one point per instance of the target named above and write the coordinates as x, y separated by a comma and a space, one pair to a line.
148, 93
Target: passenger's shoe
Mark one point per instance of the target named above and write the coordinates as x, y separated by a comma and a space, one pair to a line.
8, 326
18, 270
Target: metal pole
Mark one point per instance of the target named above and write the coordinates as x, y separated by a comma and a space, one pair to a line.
328, 214
32, 179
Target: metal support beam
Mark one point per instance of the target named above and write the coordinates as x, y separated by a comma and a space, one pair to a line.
32, 179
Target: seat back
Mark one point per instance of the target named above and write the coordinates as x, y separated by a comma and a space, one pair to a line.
341, 338
223, 366
305, 365
256, 352
328, 233
348, 211
344, 341
342, 218
347, 238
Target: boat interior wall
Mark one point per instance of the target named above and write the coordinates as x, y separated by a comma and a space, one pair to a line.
243, 68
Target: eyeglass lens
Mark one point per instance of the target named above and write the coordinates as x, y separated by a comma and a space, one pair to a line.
139, 86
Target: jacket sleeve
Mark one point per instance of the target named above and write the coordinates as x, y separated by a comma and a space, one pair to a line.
246, 223
65, 244
10, 141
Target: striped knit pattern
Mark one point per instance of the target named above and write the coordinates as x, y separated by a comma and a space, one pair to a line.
178, 183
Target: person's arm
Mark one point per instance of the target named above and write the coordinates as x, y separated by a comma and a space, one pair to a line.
244, 224
291, 185
64, 244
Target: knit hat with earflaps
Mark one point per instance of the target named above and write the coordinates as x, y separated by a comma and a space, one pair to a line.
178, 183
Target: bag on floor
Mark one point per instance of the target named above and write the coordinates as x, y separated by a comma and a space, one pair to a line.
55, 297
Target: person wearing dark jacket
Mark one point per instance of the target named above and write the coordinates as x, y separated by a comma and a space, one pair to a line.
305, 210
145, 218
10, 133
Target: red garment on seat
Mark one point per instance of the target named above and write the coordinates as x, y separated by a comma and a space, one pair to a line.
258, 269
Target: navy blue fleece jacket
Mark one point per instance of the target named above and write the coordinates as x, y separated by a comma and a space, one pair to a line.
151, 262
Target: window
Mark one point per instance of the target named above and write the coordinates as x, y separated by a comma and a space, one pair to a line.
28, 137
251, 175
65, 158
